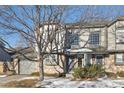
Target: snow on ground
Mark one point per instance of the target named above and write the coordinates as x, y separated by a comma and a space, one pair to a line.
3, 76
52, 82
66, 83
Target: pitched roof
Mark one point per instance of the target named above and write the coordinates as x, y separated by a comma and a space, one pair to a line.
97, 23
120, 18
92, 24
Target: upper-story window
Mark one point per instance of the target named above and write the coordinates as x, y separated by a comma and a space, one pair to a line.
120, 36
74, 40
94, 38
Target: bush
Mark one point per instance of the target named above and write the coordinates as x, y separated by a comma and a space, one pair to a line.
90, 71
78, 72
95, 70
111, 75
120, 74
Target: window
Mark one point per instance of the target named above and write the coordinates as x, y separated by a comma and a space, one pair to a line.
120, 36
119, 58
94, 38
74, 39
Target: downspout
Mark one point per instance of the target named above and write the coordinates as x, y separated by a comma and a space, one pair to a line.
106, 36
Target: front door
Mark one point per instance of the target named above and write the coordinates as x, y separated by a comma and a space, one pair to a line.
79, 62
87, 59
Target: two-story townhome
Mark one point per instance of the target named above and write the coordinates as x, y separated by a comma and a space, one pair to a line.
98, 42
88, 43
79, 44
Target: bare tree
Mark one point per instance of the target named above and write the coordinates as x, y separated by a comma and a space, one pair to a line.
37, 25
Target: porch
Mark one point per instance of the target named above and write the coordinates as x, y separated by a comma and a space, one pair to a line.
82, 57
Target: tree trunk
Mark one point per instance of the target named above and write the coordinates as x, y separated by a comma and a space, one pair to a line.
41, 69
66, 65
40, 61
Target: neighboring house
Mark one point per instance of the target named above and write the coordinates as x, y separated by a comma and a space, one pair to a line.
5, 59
97, 42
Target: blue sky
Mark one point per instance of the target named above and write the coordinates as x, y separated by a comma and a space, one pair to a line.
109, 11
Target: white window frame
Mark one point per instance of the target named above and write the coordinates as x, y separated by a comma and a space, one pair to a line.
119, 58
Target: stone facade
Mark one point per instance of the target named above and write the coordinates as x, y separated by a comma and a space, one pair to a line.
111, 66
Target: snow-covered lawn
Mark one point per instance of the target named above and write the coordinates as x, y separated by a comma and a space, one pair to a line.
66, 83
52, 82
